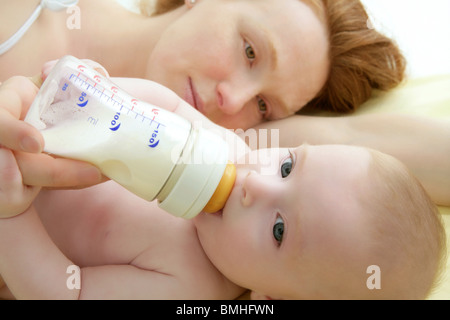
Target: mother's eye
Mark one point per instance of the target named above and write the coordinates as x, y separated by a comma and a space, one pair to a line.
249, 52
262, 106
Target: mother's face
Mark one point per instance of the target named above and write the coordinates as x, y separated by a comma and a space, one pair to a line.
240, 62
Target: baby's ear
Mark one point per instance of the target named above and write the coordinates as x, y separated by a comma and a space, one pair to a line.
258, 296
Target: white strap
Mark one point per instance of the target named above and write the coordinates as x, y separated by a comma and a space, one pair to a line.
54, 5
58, 5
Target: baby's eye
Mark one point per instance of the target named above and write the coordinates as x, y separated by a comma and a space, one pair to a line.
278, 230
249, 52
286, 167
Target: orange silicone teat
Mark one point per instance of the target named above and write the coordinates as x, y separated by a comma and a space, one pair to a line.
223, 190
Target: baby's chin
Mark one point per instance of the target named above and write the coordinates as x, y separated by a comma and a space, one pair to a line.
206, 220
213, 215
208, 226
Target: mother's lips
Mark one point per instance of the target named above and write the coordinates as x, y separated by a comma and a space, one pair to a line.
192, 97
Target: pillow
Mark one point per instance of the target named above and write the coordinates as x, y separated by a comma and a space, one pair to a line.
424, 96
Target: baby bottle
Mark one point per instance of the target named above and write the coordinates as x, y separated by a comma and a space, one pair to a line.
152, 152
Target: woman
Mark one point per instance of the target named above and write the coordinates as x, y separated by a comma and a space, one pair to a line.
241, 63
269, 59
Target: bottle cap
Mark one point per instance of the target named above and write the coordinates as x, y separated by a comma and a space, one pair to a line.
196, 177
220, 196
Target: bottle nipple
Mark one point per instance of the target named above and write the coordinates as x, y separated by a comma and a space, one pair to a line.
223, 190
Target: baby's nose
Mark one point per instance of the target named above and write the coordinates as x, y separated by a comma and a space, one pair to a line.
254, 189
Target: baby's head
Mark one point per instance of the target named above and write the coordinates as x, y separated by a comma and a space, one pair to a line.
407, 241
398, 247
334, 222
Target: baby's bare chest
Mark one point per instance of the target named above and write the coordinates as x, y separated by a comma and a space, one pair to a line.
106, 224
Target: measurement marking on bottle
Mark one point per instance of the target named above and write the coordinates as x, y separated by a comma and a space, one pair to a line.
92, 121
112, 98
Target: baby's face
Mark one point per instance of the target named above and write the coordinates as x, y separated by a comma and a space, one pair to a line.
278, 225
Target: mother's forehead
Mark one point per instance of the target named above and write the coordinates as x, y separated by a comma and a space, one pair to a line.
299, 42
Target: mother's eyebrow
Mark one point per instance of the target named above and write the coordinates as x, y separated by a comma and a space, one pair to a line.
269, 42
273, 54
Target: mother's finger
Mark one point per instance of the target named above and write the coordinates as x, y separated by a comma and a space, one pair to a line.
15, 197
16, 96
48, 66
18, 135
10, 177
45, 171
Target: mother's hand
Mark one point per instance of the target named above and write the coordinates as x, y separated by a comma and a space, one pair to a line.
37, 168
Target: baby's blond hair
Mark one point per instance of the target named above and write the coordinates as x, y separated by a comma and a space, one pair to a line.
408, 240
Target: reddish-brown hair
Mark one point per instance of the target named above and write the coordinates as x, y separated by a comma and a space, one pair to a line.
361, 58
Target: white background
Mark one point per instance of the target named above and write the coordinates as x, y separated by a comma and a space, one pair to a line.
421, 28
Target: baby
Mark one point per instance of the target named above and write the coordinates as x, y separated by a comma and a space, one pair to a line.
332, 222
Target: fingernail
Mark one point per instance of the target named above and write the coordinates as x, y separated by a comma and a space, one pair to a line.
102, 71
37, 80
30, 144
90, 175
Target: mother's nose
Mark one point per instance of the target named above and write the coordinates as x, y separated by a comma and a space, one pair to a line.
232, 97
